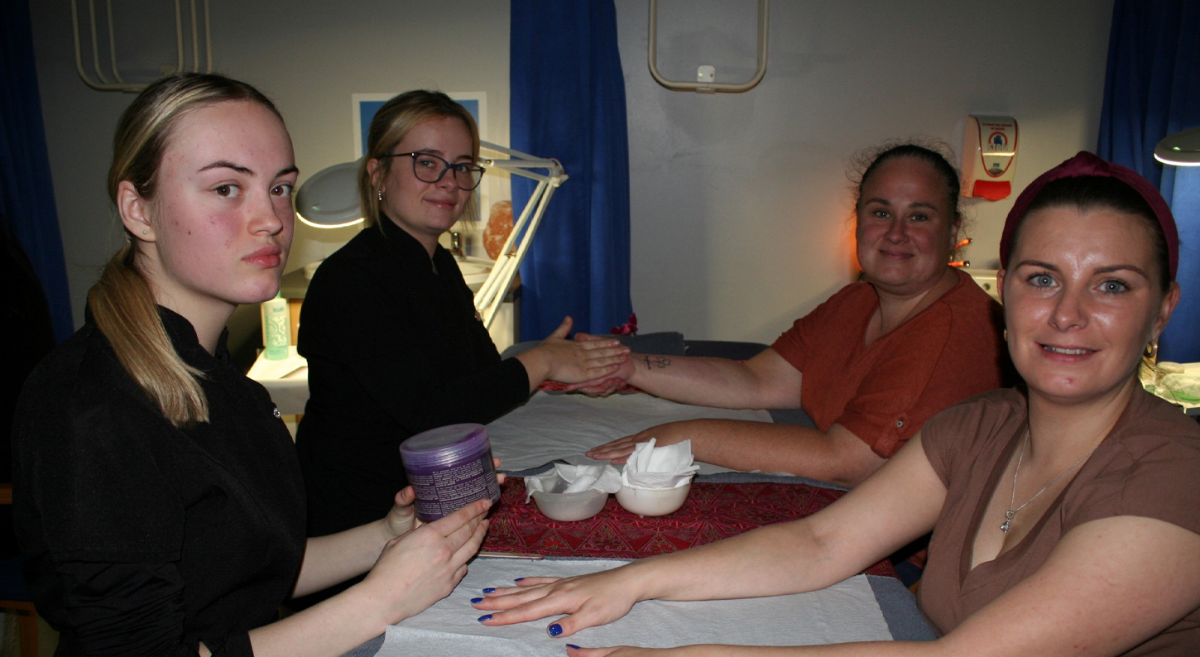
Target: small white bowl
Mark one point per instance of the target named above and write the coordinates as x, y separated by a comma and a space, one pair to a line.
653, 501
569, 507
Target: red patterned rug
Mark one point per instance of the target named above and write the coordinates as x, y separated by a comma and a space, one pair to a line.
712, 512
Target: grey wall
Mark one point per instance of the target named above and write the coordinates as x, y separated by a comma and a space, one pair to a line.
739, 202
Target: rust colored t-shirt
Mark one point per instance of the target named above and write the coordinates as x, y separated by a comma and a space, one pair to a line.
883, 394
1148, 466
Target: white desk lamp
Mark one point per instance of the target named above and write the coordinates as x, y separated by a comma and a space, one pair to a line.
1181, 149
329, 199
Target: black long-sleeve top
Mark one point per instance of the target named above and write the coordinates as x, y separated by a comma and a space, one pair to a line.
394, 348
141, 538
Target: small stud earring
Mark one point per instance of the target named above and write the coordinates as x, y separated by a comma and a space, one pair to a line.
379, 195
1006, 335
145, 231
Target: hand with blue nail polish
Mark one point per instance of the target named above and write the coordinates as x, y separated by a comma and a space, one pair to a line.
588, 600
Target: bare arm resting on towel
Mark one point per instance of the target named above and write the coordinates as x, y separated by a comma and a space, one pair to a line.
765, 381
837, 456
1108, 585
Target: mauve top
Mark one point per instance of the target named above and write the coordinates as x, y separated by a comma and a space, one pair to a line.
1147, 466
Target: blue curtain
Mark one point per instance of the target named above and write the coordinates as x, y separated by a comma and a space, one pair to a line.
568, 103
26, 191
1152, 89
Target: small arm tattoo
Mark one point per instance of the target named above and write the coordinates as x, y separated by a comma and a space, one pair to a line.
661, 362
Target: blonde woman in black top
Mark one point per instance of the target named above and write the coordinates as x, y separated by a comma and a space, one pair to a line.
157, 495
389, 328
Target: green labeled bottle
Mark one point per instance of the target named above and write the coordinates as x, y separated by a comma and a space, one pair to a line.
277, 329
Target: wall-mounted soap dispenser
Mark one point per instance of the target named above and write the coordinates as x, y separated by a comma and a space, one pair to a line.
989, 156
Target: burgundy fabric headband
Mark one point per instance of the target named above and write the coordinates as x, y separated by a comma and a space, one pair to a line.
1087, 164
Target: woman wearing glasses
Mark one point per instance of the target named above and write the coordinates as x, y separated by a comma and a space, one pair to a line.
393, 342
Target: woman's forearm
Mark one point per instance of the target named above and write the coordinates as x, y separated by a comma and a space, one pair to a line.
770, 561
887, 511
856, 649
332, 627
774, 560
717, 382
411, 573
335, 558
836, 456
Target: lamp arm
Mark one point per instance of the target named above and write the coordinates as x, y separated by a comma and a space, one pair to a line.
485, 295
513, 262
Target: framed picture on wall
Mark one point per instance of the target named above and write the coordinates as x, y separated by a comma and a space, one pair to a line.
365, 106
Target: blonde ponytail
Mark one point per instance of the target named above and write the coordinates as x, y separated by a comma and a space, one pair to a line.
122, 302
124, 309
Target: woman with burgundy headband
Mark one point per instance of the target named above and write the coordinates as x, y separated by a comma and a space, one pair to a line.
1066, 515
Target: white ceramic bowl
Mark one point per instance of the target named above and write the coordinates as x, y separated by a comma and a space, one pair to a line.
569, 507
653, 501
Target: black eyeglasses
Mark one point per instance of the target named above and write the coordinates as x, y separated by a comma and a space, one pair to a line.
431, 168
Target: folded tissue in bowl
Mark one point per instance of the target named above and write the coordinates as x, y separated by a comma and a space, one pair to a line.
659, 467
578, 478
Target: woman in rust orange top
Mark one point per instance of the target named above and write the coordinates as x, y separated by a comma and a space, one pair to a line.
1065, 515
869, 365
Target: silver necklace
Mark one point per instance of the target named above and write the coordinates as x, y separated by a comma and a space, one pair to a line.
1012, 513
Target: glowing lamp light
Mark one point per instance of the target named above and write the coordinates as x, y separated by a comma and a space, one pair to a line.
1181, 149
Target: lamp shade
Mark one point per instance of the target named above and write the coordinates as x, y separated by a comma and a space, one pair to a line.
329, 199
1181, 148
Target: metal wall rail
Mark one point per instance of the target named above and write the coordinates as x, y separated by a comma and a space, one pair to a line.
104, 84
764, 20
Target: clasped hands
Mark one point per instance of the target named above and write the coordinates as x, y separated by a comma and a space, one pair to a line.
580, 360
609, 382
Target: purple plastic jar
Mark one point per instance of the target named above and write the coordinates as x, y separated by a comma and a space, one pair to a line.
450, 467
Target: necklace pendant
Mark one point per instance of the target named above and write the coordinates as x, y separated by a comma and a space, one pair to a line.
1008, 516
1004, 526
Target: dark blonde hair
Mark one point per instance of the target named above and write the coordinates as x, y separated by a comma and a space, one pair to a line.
122, 302
391, 124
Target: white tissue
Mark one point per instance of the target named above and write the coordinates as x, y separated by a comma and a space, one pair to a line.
578, 477
659, 467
